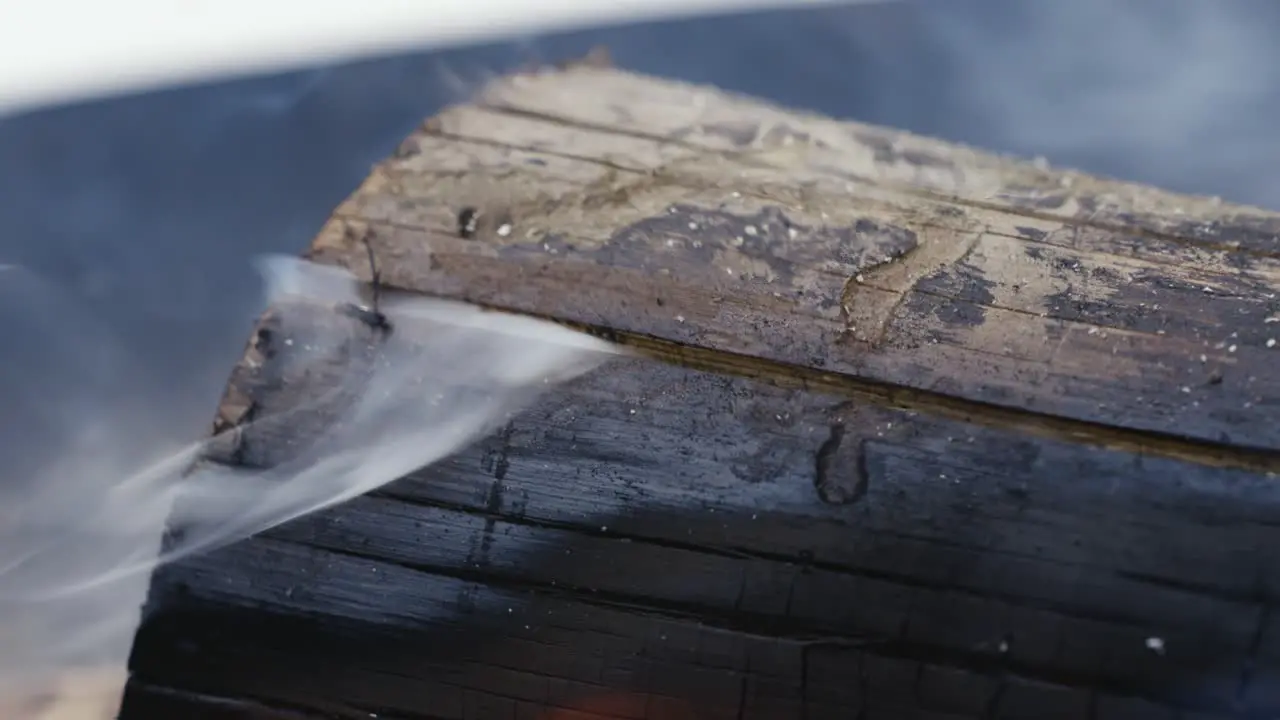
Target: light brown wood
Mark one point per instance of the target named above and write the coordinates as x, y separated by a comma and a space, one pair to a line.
707, 220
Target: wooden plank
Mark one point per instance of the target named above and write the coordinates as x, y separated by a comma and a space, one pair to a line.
866, 254
611, 539
914, 432
704, 118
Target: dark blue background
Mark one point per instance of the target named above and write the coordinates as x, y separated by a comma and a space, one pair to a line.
151, 206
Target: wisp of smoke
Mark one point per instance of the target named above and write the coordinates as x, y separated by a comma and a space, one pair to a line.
85, 501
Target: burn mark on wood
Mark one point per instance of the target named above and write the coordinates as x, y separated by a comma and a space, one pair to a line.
950, 312
957, 296
840, 475
1166, 299
1254, 233
770, 247
1033, 233
468, 218
961, 282
374, 319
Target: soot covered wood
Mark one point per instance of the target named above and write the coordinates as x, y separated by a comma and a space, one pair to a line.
916, 432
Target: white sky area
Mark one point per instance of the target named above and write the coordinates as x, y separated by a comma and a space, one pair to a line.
56, 51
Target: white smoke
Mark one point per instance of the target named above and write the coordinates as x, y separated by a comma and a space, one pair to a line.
86, 495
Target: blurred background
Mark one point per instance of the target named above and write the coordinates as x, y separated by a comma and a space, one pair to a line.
151, 206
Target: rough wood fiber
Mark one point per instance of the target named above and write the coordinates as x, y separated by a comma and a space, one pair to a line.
687, 215
937, 435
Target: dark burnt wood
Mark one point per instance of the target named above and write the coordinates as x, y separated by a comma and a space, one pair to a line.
914, 432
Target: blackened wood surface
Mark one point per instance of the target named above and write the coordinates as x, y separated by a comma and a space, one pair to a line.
937, 435
660, 531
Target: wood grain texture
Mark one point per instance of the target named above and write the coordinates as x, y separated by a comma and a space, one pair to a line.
916, 431
661, 531
681, 213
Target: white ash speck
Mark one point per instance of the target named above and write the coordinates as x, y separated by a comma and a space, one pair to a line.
504, 229
1271, 342
1272, 319
1231, 348
1155, 644
693, 226
679, 318
751, 230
